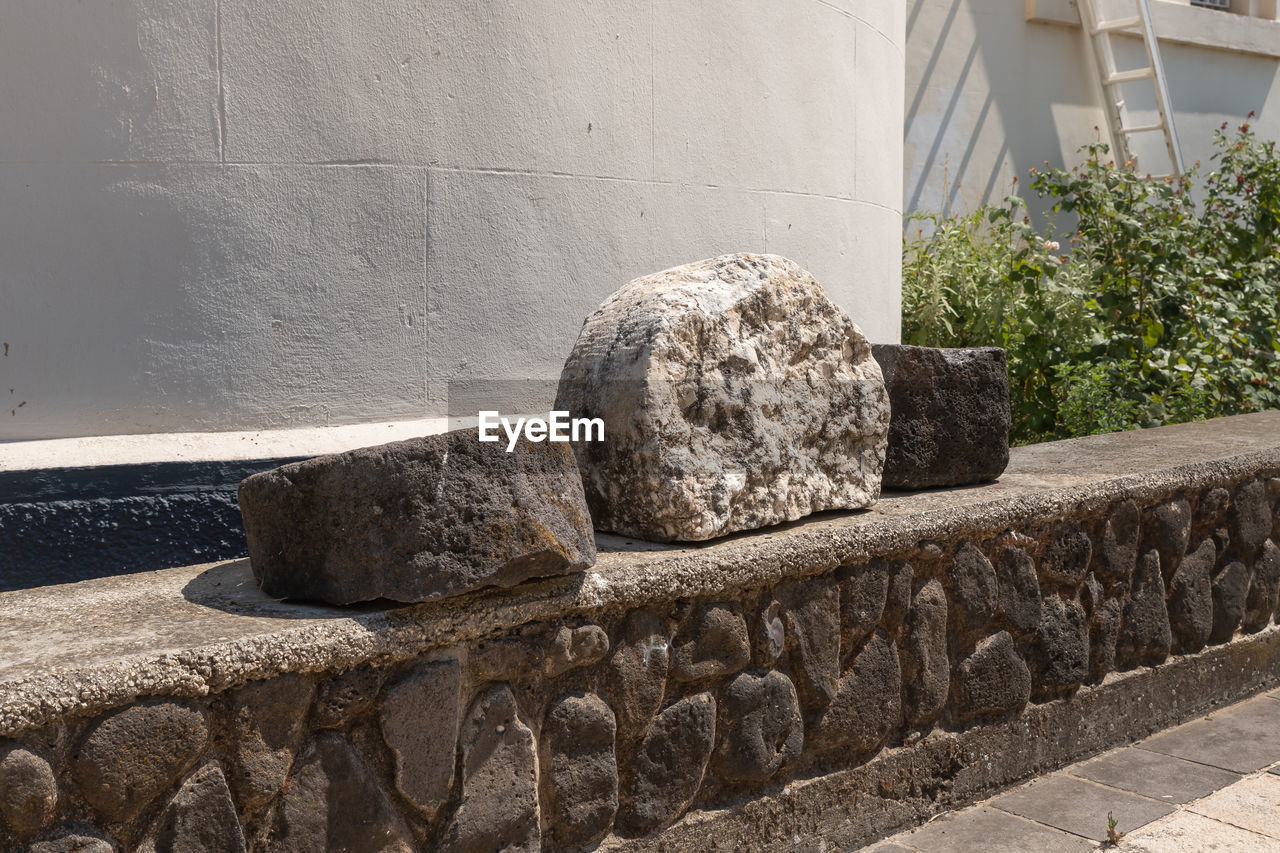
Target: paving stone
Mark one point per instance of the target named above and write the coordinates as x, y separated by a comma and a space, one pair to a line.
950, 415
974, 591
342, 698
131, 756
713, 643
1167, 529
1154, 775
1250, 803
267, 726
1115, 552
1230, 589
1080, 807
868, 704
28, 790
926, 669
201, 818
333, 802
1190, 600
1188, 832
419, 722
1059, 655
811, 615
1251, 516
1066, 556
579, 770
1145, 635
993, 681
1019, 589
1242, 738
416, 520
668, 767
637, 673
574, 647
761, 729
761, 402
1264, 589
499, 806
991, 831
863, 593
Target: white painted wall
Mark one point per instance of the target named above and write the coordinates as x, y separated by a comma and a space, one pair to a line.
991, 94
242, 214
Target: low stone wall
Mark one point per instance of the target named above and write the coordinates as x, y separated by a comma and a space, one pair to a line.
832, 679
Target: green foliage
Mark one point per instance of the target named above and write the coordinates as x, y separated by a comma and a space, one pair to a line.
1161, 311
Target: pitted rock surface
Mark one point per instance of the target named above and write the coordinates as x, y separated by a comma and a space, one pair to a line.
267, 720
974, 591
28, 790
864, 590
712, 644
951, 417
333, 802
668, 767
343, 697
761, 727
1191, 599
1115, 553
993, 681
1167, 528
72, 843
1066, 555
201, 818
1019, 589
499, 807
1059, 656
1230, 589
868, 705
130, 757
1251, 520
926, 670
1104, 612
415, 520
898, 601
811, 614
579, 770
1264, 589
518, 655
1145, 635
573, 647
419, 721
637, 674
734, 395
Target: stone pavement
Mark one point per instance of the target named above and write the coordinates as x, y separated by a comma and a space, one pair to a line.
1212, 784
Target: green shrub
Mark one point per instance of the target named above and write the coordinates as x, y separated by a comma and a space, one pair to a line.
1159, 310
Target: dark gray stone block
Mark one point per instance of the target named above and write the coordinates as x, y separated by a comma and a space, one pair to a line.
1230, 588
668, 767
1104, 614
713, 643
1251, 519
201, 818
811, 615
344, 697
1191, 599
868, 704
1019, 589
579, 771
864, 590
926, 670
1066, 555
637, 673
974, 592
418, 519
1167, 528
267, 728
1115, 550
1059, 655
993, 681
949, 415
419, 722
28, 790
761, 727
1145, 635
1264, 589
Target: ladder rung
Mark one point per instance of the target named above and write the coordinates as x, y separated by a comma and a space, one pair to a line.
1117, 24
1129, 76
1143, 128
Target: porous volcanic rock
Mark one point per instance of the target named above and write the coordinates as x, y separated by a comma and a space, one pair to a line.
811, 614
1191, 599
1230, 587
416, 520
1019, 589
1264, 589
579, 770
267, 725
926, 670
734, 395
761, 727
951, 415
668, 767
868, 705
419, 721
974, 591
28, 790
713, 643
1167, 528
636, 677
1145, 636
1059, 656
1251, 521
864, 591
1115, 551
993, 681
201, 818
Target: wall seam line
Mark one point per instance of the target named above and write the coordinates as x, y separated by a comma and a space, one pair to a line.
222, 96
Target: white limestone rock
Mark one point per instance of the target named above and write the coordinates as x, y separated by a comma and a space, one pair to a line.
734, 395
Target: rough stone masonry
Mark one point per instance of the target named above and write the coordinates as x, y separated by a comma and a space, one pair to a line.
734, 394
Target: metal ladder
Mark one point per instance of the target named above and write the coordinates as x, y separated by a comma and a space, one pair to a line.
1112, 81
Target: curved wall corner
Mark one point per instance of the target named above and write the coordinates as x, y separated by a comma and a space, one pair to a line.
236, 215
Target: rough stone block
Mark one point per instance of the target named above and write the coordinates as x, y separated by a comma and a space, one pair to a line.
1191, 599
811, 614
1167, 528
864, 590
637, 674
201, 818
1251, 519
926, 670
734, 395
574, 647
974, 591
1066, 555
1115, 551
28, 791
1264, 589
1019, 587
1059, 655
579, 770
419, 721
760, 725
267, 726
1104, 614
1145, 636
130, 757
713, 643
73, 842
868, 705
1230, 588
499, 807
415, 520
993, 681
950, 415
668, 767
898, 601
344, 697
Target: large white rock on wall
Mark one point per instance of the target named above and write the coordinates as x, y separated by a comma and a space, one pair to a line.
734, 395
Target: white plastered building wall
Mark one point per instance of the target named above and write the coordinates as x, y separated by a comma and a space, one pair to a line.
226, 217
